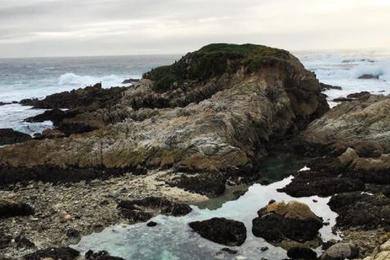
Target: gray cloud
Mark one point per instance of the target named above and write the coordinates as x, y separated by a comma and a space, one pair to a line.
108, 27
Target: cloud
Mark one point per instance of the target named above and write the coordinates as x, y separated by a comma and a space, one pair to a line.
98, 27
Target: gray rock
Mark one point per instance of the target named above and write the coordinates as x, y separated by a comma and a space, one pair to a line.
341, 251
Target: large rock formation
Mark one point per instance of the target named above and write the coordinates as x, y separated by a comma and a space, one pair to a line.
212, 111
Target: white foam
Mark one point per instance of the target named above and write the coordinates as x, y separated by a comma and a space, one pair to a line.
74, 80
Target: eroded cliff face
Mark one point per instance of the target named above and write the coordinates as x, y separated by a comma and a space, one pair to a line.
212, 111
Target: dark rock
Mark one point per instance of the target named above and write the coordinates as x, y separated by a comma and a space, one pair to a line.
55, 115
280, 221
101, 255
310, 183
69, 128
360, 209
206, 184
220, 230
4, 103
328, 87
93, 97
301, 253
9, 208
369, 76
63, 253
151, 224
229, 251
73, 235
10, 136
341, 251
264, 248
145, 209
342, 99
130, 81
362, 94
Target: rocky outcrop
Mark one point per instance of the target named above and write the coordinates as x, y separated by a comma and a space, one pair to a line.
211, 112
280, 221
145, 209
351, 123
381, 253
10, 208
302, 253
220, 230
10, 136
340, 251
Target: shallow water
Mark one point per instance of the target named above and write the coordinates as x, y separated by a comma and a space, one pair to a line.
173, 239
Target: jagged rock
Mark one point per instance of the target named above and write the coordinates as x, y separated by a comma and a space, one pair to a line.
63, 253
10, 136
55, 115
207, 113
369, 76
221, 230
303, 253
130, 81
362, 94
292, 220
145, 209
341, 251
101, 255
361, 209
10, 208
328, 87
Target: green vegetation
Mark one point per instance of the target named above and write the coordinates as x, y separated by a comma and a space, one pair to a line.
214, 60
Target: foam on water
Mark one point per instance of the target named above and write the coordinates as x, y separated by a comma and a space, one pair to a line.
173, 239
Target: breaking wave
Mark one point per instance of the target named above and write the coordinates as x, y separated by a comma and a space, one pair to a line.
72, 79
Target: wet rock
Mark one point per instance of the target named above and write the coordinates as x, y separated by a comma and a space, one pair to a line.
340, 251
303, 253
151, 224
23, 243
221, 230
342, 99
328, 87
369, 76
361, 209
10, 208
362, 94
10, 136
292, 220
55, 115
101, 255
310, 183
144, 209
229, 251
73, 236
63, 253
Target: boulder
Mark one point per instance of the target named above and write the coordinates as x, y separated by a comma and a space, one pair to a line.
10, 136
221, 230
10, 208
101, 255
62, 253
144, 209
369, 76
301, 253
280, 221
340, 251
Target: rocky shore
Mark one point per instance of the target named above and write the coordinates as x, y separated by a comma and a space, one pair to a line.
180, 135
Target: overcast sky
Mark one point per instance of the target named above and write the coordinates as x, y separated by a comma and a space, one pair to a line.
115, 27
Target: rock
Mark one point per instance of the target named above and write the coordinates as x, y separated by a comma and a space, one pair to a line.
207, 114
221, 230
101, 255
342, 99
73, 235
362, 94
293, 220
360, 209
52, 133
63, 253
229, 251
145, 209
23, 243
151, 224
351, 123
301, 253
55, 115
340, 251
325, 87
10, 136
369, 76
10, 208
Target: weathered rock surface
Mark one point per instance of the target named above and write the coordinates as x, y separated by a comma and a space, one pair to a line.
10, 136
10, 208
341, 251
381, 253
221, 230
145, 209
211, 112
293, 220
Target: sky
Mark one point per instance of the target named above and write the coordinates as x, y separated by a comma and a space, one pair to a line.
36, 28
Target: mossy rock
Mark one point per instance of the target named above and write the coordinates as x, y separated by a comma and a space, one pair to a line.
215, 60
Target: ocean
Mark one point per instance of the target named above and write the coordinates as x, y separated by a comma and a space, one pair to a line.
38, 77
